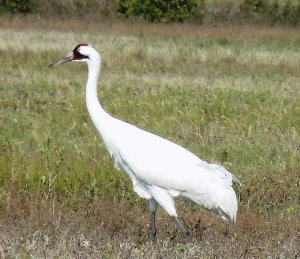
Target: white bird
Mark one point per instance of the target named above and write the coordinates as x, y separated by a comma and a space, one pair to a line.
159, 169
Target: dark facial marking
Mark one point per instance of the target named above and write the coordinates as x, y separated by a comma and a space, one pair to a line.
76, 54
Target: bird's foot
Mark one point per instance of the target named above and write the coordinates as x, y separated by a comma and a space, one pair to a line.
153, 236
187, 236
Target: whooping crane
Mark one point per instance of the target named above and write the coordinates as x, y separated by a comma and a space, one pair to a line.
159, 169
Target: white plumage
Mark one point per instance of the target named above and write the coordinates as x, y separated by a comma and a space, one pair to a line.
160, 170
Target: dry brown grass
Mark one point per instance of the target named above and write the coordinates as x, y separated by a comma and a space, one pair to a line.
129, 27
119, 229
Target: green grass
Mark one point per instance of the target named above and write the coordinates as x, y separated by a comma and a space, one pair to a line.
229, 100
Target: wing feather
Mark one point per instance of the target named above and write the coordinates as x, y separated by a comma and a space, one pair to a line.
156, 161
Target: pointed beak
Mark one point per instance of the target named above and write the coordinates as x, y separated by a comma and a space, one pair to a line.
62, 60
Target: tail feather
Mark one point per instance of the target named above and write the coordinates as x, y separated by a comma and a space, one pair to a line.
213, 190
225, 216
236, 180
225, 173
228, 206
228, 202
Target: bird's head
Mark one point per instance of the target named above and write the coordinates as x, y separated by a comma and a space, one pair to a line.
82, 52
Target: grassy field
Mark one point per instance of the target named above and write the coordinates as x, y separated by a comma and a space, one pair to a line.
230, 95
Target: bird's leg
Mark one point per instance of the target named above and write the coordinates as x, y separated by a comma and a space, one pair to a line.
153, 226
153, 207
182, 228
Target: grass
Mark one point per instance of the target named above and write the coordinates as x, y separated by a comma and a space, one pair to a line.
229, 99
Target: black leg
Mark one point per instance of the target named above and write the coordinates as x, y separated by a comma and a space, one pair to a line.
153, 226
153, 208
182, 228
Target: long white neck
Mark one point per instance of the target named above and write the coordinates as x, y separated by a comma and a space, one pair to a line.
98, 115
